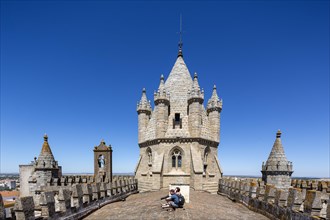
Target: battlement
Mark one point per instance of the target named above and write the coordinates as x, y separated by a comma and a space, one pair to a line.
71, 197
305, 199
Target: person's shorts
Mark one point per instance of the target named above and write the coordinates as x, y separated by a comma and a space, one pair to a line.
173, 204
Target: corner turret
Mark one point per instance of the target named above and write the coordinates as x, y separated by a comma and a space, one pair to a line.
195, 102
162, 103
278, 169
214, 107
144, 112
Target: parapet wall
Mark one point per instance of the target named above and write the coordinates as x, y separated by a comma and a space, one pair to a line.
305, 200
71, 198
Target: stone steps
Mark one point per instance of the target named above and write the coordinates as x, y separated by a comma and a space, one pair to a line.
211, 187
144, 186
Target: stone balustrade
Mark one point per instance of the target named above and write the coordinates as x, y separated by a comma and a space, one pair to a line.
74, 199
305, 200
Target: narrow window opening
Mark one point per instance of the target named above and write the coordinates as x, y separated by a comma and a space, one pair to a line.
177, 117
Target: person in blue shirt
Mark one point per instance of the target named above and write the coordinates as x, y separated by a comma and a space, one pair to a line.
172, 200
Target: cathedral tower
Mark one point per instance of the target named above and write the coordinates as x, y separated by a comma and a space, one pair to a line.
179, 138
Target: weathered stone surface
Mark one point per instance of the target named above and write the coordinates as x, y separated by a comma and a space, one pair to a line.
295, 199
281, 197
47, 203
87, 193
64, 200
313, 203
24, 208
202, 206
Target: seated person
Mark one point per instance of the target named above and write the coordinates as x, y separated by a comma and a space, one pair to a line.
172, 200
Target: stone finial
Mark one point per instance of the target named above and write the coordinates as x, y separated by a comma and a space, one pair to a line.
45, 137
278, 134
195, 75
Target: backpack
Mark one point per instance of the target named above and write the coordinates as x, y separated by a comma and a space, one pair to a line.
181, 200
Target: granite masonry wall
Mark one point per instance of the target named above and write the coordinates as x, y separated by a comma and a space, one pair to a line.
70, 197
303, 200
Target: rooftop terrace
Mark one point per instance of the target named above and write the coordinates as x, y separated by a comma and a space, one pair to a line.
202, 205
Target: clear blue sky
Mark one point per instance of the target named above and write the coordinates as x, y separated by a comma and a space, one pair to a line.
75, 70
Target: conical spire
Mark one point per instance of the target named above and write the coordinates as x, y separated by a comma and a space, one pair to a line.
161, 84
277, 160
214, 103
178, 83
45, 147
144, 104
46, 158
195, 92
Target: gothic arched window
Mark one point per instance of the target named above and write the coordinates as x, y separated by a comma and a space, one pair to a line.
176, 159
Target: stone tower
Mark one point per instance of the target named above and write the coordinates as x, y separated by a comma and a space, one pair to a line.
39, 172
179, 138
278, 169
103, 162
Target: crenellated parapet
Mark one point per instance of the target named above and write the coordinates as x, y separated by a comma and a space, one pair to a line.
277, 203
72, 201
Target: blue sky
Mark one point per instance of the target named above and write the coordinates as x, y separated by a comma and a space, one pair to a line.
75, 70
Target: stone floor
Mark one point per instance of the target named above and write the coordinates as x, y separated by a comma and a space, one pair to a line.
148, 206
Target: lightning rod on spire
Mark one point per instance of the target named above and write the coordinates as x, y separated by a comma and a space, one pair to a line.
180, 42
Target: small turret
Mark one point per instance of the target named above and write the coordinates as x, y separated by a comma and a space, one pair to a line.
161, 95
162, 102
144, 104
195, 102
214, 104
45, 167
277, 170
144, 112
214, 107
46, 159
